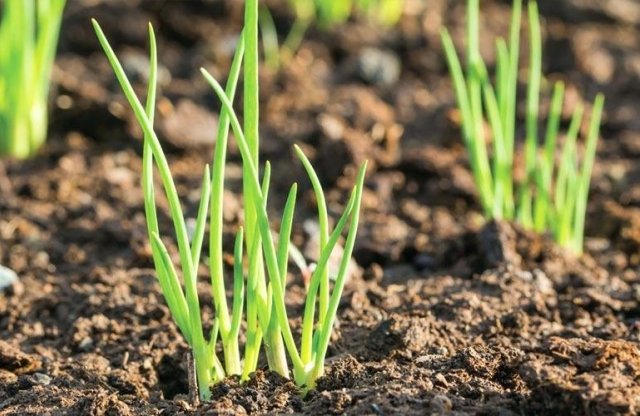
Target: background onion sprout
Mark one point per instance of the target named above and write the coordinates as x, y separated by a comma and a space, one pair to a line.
28, 39
549, 197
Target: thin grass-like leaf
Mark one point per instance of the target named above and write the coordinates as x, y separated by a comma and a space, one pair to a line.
582, 188
201, 220
169, 282
568, 152
269, 34
500, 167
306, 349
325, 331
477, 156
238, 286
542, 208
323, 223
284, 236
191, 295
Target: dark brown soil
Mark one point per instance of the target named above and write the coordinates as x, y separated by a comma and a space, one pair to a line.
449, 316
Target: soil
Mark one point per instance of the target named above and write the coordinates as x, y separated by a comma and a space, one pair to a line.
449, 315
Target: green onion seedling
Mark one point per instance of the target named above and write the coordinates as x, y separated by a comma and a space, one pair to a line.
547, 198
28, 39
325, 13
259, 288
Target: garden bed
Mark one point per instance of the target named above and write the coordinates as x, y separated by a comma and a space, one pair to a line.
448, 314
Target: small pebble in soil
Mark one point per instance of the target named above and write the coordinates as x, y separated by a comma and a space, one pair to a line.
86, 344
441, 404
41, 379
190, 223
597, 245
331, 126
441, 380
424, 262
378, 67
542, 282
7, 377
136, 66
437, 353
7, 278
376, 409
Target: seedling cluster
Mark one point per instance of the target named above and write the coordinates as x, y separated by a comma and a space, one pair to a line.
259, 288
324, 13
28, 39
331, 12
549, 197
